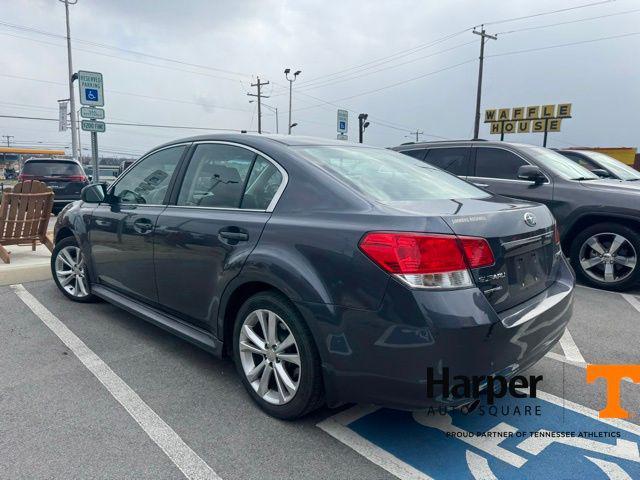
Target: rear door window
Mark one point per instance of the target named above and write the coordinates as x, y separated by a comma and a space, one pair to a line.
51, 168
497, 163
216, 176
419, 153
453, 160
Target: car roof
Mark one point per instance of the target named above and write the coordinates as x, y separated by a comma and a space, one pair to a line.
49, 159
256, 139
466, 143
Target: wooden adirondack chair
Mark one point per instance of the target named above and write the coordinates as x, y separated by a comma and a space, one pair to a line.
24, 216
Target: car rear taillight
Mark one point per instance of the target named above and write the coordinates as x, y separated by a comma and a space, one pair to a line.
428, 260
77, 178
556, 234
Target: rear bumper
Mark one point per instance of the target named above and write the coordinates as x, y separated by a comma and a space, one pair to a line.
382, 356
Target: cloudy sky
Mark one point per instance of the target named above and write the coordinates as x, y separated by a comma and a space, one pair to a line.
408, 64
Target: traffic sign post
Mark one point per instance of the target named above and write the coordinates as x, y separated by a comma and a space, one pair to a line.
92, 113
92, 95
343, 124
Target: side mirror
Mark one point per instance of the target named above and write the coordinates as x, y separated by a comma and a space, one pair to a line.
531, 173
94, 193
601, 172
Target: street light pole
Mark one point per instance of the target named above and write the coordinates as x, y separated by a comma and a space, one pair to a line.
72, 101
291, 80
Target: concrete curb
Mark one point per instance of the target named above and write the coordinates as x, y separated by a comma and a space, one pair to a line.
24, 273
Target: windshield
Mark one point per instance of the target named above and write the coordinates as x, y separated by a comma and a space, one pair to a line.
388, 176
51, 168
559, 164
619, 169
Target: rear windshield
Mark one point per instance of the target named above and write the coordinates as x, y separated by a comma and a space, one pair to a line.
385, 175
51, 168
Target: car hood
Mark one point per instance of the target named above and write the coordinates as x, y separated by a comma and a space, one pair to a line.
612, 185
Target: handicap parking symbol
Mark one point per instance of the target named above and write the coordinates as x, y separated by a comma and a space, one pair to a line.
91, 94
455, 445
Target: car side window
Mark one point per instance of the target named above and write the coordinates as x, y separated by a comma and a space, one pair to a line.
216, 176
453, 160
264, 182
148, 181
419, 154
497, 163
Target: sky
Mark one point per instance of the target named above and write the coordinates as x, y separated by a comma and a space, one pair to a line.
408, 64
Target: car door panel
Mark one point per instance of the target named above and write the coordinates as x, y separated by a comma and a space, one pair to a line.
121, 228
508, 187
122, 248
197, 252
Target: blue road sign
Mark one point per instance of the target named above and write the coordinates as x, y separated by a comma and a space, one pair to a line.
559, 443
342, 126
91, 94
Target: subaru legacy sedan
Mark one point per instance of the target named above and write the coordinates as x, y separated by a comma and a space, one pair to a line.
330, 272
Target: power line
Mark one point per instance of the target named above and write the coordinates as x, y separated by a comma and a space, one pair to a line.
137, 95
515, 52
335, 81
132, 52
132, 124
537, 27
93, 52
551, 12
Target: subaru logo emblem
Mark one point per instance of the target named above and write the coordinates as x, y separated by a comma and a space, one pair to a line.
530, 219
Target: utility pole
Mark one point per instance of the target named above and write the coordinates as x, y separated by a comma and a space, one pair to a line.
8, 138
72, 100
417, 133
483, 35
273, 109
259, 84
291, 80
362, 125
79, 140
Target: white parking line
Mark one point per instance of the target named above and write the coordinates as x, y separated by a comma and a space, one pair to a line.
570, 348
189, 463
635, 303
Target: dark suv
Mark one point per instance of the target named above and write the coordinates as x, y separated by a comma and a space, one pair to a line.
599, 219
65, 177
329, 271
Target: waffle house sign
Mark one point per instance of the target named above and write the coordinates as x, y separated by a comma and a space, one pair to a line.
533, 119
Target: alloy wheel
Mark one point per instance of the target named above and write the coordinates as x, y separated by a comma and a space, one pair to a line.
270, 356
71, 271
608, 257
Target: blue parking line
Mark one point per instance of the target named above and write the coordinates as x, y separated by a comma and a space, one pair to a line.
504, 443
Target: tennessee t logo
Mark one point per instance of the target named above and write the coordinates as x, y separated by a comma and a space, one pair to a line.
613, 374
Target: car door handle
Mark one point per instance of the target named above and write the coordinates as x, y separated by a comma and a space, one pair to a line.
481, 185
143, 226
233, 235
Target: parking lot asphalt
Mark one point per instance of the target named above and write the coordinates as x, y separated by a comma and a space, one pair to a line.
60, 419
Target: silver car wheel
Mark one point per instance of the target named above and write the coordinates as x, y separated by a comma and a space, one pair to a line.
71, 271
270, 356
608, 257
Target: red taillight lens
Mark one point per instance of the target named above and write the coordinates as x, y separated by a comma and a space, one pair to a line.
413, 252
428, 260
77, 178
477, 251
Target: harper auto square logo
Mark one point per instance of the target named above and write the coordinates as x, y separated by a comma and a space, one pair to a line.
464, 387
613, 375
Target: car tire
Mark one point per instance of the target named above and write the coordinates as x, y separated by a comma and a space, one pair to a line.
64, 258
276, 398
604, 237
